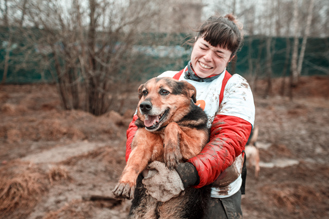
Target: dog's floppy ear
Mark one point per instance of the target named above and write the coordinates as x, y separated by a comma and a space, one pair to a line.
191, 91
140, 89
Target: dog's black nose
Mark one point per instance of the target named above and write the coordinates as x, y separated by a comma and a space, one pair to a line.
145, 106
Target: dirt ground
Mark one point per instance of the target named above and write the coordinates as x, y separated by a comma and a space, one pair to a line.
64, 164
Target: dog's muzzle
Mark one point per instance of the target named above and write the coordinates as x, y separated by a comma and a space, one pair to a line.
145, 106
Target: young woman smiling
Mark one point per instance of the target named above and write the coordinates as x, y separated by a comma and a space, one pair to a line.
229, 105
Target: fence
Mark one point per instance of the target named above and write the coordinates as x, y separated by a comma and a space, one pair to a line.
252, 57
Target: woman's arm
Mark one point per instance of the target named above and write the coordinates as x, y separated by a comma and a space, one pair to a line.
228, 137
230, 131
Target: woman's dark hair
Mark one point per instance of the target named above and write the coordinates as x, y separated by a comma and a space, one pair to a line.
222, 31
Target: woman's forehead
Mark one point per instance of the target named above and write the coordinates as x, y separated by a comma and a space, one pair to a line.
218, 48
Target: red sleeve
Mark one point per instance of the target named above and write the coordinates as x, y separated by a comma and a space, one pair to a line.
228, 136
130, 135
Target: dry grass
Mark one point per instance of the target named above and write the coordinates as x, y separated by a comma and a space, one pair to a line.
22, 187
76, 209
54, 126
89, 155
103, 154
291, 196
57, 173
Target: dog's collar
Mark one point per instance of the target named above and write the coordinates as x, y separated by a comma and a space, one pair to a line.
189, 74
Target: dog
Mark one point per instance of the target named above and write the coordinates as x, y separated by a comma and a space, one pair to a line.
252, 152
171, 129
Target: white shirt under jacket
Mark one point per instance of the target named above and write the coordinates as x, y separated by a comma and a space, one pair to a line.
237, 101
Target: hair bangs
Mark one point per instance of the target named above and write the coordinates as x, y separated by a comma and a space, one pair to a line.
221, 35
219, 31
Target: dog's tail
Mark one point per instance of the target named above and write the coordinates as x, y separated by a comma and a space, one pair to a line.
254, 136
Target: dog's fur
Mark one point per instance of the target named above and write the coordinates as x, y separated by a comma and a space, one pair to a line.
252, 152
171, 129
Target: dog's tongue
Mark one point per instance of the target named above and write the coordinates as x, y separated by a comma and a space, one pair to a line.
151, 120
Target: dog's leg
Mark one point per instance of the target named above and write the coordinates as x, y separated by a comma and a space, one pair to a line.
147, 147
257, 168
182, 142
192, 141
172, 153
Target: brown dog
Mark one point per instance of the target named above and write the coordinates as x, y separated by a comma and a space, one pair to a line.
252, 152
171, 129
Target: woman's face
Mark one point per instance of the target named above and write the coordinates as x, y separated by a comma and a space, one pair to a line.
208, 60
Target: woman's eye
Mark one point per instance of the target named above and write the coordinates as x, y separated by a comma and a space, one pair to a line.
145, 92
164, 92
202, 48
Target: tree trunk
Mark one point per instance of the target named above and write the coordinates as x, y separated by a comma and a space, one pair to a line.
258, 64
23, 13
74, 86
250, 62
5, 15
268, 67
294, 70
307, 31
7, 57
61, 82
286, 63
92, 86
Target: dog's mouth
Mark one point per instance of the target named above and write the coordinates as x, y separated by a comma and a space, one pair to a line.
153, 122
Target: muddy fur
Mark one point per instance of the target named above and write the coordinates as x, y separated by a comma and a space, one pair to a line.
190, 205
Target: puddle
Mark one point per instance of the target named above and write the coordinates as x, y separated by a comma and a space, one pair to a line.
279, 163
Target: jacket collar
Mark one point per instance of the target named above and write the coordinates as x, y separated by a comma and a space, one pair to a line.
190, 74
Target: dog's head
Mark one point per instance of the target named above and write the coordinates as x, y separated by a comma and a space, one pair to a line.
164, 100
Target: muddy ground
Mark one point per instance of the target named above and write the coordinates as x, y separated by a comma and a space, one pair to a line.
63, 164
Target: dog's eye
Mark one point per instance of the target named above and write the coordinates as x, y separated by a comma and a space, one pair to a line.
145, 92
164, 92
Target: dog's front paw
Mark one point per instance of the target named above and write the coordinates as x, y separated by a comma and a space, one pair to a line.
125, 190
172, 158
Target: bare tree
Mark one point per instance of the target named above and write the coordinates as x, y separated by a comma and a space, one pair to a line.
8, 46
6, 61
91, 46
5, 13
294, 70
307, 31
269, 51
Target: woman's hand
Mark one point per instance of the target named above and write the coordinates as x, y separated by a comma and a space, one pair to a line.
162, 183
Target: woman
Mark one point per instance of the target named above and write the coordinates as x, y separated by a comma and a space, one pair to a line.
228, 103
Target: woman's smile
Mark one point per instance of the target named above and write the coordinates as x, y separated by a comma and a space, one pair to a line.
207, 60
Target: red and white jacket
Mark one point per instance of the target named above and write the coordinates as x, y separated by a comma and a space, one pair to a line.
229, 105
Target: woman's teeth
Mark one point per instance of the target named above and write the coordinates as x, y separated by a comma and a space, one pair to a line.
204, 66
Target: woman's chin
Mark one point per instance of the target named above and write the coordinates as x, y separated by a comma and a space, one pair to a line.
203, 74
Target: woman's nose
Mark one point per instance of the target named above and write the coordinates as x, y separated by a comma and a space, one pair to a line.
208, 56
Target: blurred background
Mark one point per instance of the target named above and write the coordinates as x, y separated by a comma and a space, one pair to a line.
69, 72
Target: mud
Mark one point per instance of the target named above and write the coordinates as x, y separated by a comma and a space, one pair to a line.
64, 156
